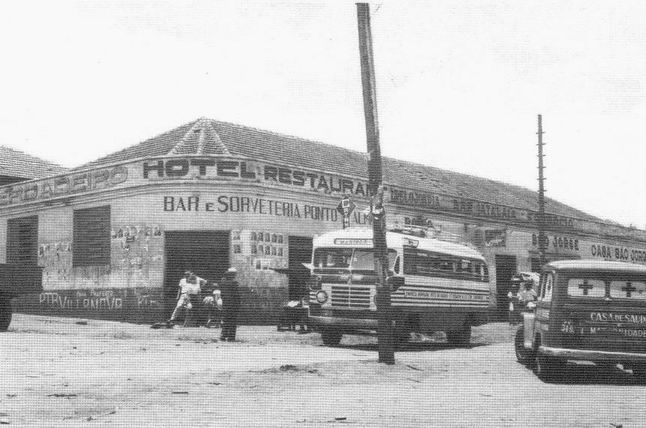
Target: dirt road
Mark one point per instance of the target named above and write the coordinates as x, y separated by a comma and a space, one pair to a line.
56, 372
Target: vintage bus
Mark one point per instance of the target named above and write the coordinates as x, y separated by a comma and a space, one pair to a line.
436, 285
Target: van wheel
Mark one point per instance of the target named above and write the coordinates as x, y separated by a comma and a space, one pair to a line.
331, 337
640, 372
548, 368
5, 313
523, 355
461, 338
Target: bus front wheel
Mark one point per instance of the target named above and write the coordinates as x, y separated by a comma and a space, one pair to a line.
5, 313
331, 337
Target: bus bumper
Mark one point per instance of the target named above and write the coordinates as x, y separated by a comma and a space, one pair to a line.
350, 323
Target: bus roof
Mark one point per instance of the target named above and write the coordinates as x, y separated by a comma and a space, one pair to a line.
361, 237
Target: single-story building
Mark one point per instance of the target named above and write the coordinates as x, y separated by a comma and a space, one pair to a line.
115, 235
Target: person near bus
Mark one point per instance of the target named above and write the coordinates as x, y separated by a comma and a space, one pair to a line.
229, 289
212, 301
526, 294
512, 296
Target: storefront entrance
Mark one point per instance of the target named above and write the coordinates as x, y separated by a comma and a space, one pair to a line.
300, 251
505, 269
204, 252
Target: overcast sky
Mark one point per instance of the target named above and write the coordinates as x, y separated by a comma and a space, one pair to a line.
459, 83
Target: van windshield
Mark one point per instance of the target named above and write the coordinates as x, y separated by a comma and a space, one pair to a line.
349, 258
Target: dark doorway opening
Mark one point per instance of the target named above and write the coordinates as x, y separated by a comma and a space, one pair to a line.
300, 251
505, 269
204, 252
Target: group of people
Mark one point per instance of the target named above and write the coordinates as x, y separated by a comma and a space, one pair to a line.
521, 292
220, 300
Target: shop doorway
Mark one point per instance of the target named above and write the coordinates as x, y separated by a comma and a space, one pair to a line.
204, 252
505, 269
300, 251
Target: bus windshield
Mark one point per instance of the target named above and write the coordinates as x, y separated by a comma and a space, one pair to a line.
355, 259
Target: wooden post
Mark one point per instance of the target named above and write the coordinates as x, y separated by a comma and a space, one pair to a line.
385, 324
542, 238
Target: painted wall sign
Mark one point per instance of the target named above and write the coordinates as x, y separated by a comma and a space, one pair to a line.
143, 172
559, 243
209, 168
495, 238
252, 205
63, 186
624, 254
472, 208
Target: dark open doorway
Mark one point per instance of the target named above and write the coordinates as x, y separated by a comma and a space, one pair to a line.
505, 269
204, 252
300, 251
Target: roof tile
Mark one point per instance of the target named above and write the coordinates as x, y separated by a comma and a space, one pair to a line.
14, 163
207, 136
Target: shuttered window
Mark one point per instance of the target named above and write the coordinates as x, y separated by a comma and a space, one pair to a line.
91, 238
22, 240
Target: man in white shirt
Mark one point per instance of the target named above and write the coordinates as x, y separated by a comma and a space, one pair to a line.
188, 286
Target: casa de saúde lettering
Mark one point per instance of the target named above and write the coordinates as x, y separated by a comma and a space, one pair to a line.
621, 318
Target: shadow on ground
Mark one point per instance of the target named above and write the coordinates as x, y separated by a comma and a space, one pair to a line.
408, 347
590, 374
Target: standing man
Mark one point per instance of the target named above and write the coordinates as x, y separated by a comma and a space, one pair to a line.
526, 294
230, 304
189, 288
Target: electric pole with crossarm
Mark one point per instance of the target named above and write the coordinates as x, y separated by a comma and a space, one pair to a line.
385, 324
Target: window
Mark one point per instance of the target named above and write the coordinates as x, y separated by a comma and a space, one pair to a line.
465, 266
635, 290
586, 287
22, 240
425, 263
547, 287
91, 237
348, 258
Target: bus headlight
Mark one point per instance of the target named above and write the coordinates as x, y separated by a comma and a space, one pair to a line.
321, 296
314, 283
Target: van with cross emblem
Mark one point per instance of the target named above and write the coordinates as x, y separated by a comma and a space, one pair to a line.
586, 310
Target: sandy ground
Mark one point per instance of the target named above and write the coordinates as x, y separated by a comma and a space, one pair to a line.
68, 372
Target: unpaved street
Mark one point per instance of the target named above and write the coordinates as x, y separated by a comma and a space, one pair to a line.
66, 372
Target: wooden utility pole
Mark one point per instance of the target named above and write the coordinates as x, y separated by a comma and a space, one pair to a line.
385, 324
542, 238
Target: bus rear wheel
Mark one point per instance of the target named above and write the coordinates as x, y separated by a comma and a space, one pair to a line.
461, 338
331, 337
5, 313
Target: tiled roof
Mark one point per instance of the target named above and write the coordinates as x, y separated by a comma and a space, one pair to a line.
207, 136
14, 163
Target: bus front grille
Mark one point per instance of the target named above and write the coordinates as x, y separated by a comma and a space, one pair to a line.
350, 297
